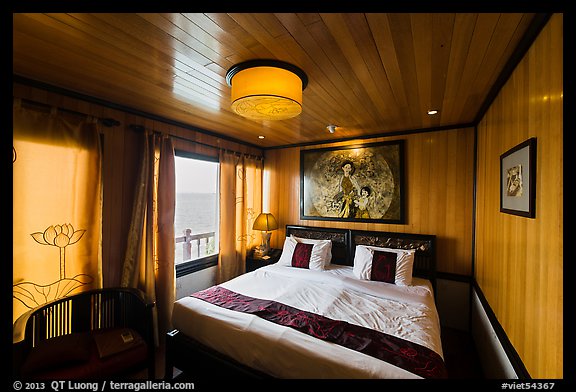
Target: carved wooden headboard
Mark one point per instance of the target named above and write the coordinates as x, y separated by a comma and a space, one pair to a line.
424, 244
340, 240
344, 243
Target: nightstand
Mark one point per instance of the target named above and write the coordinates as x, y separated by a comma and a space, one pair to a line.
253, 263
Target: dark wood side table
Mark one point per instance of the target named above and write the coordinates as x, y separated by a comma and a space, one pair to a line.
253, 263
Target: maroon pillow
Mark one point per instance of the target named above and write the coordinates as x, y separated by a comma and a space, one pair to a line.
383, 266
301, 255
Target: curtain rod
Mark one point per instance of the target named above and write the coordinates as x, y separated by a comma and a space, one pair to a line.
107, 122
238, 153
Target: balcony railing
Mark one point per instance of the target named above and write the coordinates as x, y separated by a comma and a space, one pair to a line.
195, 246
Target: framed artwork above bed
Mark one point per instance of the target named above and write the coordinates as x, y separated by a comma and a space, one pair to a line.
357, 183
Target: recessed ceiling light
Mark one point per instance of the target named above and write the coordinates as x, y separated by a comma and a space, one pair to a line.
432, 112
331, 128
260, 137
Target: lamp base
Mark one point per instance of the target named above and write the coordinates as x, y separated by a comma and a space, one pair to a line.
259, 252
264, 248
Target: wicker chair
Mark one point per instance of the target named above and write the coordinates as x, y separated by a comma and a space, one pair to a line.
95, 334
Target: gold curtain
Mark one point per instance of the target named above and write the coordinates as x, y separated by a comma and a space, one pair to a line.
149, 260
57, 207
240, 204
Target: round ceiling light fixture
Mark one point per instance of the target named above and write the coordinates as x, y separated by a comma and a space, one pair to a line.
266, 89
331, 128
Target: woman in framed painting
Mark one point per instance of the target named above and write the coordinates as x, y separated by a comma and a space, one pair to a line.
349, 190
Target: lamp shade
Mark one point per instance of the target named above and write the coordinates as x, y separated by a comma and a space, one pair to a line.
265, 222
266, 89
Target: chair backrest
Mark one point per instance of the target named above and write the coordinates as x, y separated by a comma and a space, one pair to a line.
88, 311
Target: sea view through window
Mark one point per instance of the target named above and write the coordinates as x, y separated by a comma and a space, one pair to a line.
196, 213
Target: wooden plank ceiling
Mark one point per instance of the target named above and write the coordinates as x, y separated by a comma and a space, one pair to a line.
368, 73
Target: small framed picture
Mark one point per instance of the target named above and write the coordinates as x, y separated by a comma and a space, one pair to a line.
518, 180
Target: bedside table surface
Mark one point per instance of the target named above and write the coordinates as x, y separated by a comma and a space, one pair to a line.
253, 263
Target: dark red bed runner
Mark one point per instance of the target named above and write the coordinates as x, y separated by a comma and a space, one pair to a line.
407, 355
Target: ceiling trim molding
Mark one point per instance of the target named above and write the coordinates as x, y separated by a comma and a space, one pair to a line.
377, 135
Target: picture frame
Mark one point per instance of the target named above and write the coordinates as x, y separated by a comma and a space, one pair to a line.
518, 180
356, 183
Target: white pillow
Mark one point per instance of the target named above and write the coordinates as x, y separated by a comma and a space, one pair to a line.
324, 245
404, 263
287, 252
316, 258
362, 262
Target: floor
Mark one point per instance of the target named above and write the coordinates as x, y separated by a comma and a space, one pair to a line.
460, 356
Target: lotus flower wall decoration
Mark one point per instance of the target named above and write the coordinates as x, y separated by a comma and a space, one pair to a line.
33, 294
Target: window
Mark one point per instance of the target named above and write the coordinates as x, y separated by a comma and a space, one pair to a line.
196, 215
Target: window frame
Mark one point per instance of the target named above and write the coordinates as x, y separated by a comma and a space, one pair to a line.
187, 267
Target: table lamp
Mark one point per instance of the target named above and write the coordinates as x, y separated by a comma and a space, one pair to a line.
265, 222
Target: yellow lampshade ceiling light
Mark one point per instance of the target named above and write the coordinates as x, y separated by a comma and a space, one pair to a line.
266, 89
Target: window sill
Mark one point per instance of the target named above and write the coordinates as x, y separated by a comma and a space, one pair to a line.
196, 265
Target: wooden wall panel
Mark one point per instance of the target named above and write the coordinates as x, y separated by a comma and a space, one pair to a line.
518, 261
439, 185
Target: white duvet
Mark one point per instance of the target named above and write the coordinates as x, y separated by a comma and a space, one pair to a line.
407, 312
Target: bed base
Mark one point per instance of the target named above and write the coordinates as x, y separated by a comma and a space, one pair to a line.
201, 362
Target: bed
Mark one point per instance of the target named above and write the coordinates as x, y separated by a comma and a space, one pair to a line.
345, 313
